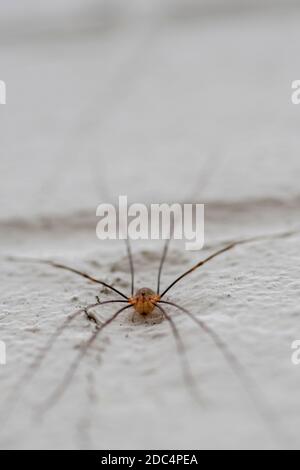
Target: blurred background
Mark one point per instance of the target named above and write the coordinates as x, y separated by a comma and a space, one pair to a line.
162, 101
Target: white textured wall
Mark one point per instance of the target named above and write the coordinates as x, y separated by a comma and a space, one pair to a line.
161, 106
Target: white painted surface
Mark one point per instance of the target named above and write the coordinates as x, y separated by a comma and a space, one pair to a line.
161, 108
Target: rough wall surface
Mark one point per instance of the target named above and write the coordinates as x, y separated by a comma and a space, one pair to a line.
161, 107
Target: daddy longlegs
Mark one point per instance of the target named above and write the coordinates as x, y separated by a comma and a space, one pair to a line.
144, 301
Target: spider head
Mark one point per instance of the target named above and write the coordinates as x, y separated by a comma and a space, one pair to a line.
144, 300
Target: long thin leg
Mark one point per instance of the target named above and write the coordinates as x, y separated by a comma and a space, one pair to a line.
49, 344
93, 317
55, 335
129, 253
260, 404
162, 261
186, 372
164, 255
67, 268
61, 388
36, 364
227, 248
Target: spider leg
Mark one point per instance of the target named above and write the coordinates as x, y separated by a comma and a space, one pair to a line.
186, 371
54, 264
163, 256
229, 247
130, 258
37, 362
91, 316
67, 379
249, 385
161, 264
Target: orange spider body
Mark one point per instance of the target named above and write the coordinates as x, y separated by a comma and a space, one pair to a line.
144, 301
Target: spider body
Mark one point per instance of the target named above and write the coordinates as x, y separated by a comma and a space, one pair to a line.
144, 301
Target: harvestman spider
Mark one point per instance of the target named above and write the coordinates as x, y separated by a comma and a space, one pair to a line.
144, 301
